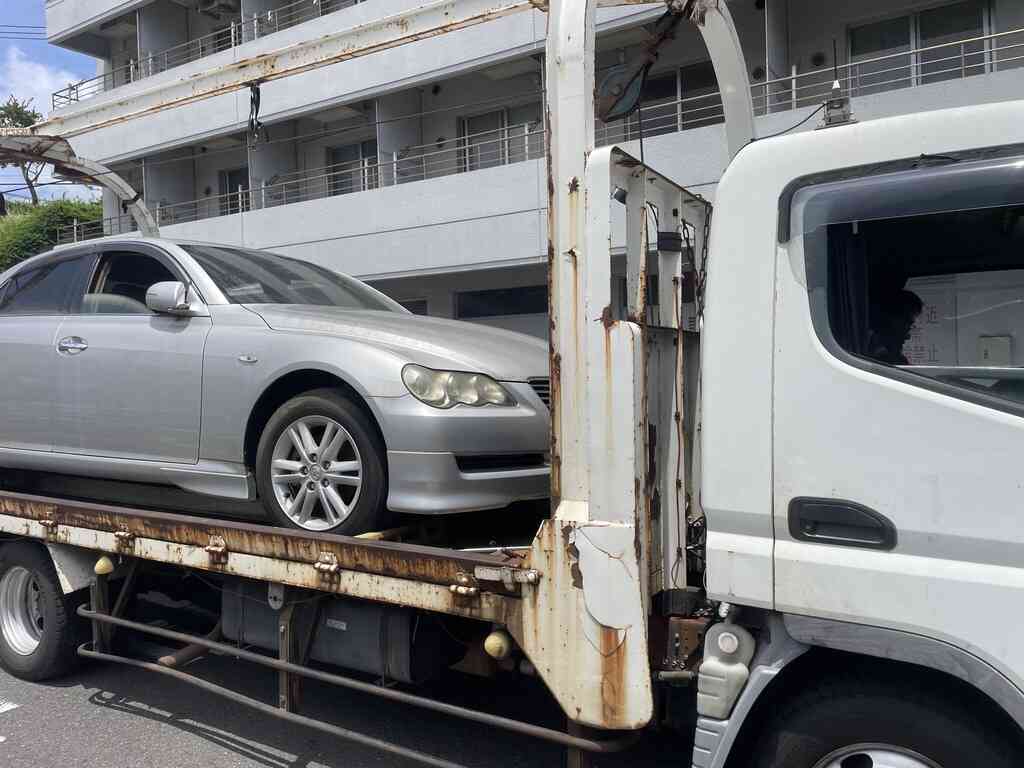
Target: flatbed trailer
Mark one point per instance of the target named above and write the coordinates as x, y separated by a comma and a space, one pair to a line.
97, 546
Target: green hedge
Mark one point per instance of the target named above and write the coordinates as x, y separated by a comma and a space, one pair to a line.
29, 230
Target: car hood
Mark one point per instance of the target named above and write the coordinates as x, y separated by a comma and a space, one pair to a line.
430, 341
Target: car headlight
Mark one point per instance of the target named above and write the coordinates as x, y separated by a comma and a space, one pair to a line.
444, 389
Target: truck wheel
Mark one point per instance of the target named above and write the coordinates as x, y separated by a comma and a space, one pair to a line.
855, 724
320, 466
39, 630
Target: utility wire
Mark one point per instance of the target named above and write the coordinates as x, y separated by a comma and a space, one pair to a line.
792, 127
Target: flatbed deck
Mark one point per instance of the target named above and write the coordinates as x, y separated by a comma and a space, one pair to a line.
480, 585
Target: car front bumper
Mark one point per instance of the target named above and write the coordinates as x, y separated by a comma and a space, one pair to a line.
434, 484
462, 459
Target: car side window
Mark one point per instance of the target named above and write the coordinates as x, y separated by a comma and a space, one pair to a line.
932, 297
41, 290
120, 282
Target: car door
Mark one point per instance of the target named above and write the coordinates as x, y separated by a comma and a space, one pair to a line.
31, 305
130, 380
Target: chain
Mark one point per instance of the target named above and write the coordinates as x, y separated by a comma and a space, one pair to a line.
702, 273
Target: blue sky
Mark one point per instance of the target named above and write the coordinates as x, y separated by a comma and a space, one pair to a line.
33, 69
26, 66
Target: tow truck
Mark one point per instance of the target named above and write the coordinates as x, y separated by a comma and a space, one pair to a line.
807, 557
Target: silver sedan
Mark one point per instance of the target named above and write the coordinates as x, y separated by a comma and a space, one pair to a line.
244, 374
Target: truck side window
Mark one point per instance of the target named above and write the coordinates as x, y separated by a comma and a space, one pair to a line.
919, 275
938, 295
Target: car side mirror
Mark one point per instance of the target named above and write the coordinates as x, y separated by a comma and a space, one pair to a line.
168, 298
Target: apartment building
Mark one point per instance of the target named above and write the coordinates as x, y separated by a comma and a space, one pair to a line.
420, 169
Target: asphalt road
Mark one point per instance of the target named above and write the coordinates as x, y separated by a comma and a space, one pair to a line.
107, 716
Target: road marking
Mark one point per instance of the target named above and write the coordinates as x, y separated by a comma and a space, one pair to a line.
7, 706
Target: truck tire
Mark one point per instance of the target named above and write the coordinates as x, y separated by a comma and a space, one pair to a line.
39, 629
302, 489
861, 724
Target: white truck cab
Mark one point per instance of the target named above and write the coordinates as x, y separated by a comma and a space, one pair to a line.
863, 394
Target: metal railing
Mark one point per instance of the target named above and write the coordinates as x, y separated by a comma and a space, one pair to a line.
517, 143
238, 31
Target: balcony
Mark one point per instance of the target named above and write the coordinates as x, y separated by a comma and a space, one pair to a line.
517, 142
244, 29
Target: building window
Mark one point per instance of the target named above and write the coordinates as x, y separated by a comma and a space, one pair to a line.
925, 47
501, 301
352, 168
516, 309
482, 140
234, 191
416, 306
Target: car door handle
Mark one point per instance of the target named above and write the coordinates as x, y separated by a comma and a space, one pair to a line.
72, 345
840, 523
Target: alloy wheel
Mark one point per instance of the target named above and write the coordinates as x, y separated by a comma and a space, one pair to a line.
875, 756
316, 471
21, 611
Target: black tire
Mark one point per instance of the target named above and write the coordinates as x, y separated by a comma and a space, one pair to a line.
368, 511
837, 723
61, 629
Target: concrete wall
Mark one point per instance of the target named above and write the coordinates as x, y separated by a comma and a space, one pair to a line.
65, 18
369, 77
162, 25
172, 180
497, 216
273, 159
396, 136
777, 38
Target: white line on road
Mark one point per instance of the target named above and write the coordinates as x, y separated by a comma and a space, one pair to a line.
7, 706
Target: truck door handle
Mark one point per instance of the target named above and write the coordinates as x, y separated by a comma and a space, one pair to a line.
840, 523
72, 345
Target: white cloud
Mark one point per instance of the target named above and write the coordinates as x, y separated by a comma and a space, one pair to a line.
33, 80
36, 80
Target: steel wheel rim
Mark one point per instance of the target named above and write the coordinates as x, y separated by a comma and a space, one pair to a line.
21, 611
316, 472
875, 756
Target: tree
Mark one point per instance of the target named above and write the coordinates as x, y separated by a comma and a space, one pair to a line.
15, 113
29, 229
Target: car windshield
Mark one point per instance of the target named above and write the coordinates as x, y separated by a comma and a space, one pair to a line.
258, 277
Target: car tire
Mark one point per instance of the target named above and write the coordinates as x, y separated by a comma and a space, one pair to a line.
300, 488
39, 628
861, 724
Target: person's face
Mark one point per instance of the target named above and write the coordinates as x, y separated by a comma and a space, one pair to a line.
905, 326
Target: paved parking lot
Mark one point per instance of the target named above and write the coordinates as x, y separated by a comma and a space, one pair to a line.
106, 716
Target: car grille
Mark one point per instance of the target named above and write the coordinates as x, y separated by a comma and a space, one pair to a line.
543, 389
500, 462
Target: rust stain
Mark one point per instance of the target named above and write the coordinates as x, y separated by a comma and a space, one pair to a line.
385, 558
613, 673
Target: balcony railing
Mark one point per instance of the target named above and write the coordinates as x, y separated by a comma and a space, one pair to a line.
512, 144
237, 32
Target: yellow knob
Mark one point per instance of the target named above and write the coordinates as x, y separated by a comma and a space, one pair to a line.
498, 644
104, 566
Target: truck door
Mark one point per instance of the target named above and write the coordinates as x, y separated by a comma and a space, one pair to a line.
130, 380
899, 405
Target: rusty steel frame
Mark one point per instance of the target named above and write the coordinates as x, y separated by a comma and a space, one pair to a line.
55, 151
286, 667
